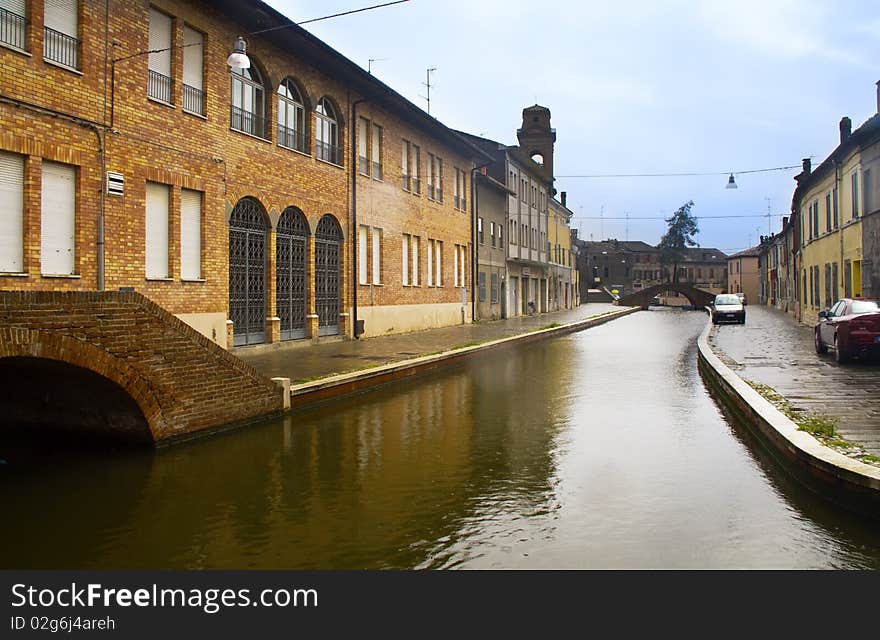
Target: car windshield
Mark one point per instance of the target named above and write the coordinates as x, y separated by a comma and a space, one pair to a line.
726, 300
865, 306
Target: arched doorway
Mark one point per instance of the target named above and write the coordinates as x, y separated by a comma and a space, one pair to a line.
328, 267
247, 272
291, 242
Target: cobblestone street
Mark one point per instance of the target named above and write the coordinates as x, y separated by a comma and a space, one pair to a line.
773, 349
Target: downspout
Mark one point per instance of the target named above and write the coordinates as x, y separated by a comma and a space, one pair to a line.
353, 127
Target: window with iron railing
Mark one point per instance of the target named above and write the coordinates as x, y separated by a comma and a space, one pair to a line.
291, 138
247, 122
159, 87
328, 152
327, 133
193, 100
13, 29
291, 117
61, 48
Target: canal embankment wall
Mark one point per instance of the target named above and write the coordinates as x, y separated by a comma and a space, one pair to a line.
334, 386
844, 480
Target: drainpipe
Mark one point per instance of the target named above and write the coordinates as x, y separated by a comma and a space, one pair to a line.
353, 127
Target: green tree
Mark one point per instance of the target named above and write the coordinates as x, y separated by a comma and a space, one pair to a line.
680, 235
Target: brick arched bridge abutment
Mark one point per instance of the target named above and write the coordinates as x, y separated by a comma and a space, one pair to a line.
697, 297
180, 381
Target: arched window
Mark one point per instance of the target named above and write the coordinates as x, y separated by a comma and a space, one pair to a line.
248, 111
327, 133
291, 117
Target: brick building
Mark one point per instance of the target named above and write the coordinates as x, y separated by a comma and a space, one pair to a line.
247, 201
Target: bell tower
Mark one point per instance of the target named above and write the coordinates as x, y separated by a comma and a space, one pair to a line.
536, 137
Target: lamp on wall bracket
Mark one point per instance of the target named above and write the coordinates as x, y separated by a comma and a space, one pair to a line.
731, 183
238, 59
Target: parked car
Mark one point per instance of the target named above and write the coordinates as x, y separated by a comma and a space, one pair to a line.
742, 298
728, 308
851, 327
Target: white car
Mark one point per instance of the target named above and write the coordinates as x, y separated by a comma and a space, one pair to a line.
728, 308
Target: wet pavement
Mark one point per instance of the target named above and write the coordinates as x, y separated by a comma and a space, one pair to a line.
301, 361
773, 349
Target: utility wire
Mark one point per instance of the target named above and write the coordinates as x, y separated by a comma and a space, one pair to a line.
756, 215
670, 175
335, 15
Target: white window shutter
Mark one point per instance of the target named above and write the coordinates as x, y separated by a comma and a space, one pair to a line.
18, 7
57, 243
193, 62
362, 255
377, 242
157, 230
190, 234
160, 38
430, 263
11, 213
405, 263
61, 16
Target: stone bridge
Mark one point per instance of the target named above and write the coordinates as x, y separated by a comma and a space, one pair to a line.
697, 297
116, 364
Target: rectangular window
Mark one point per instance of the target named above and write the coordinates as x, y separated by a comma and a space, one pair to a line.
854, 179
58, 219
455, 267
438, 257
190, 234
480, 235
376, 152
493, 290
415, 260
430, 263
438, 179
404, 266
61, 32
377, 255
816, 217
193, 98
492, 233
431, 185
828, 211
867, 200
834, 286
462, 265
11, 213
482, 287
363, 160
455, 189
416, 169
13, 23
500, 236
362, 254
159, 82
156, 233
404, 165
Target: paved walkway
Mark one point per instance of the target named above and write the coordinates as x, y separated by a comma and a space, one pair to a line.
773, 349
302, 361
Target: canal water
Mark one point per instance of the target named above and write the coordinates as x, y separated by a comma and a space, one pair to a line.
602, 449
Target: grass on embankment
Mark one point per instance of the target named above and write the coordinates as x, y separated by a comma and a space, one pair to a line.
821, 426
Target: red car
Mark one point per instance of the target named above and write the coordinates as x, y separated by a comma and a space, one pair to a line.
851, 328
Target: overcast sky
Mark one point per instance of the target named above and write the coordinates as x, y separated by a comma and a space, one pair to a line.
635, 87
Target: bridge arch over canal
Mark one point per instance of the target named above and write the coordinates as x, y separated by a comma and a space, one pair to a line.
115, 362
697, 297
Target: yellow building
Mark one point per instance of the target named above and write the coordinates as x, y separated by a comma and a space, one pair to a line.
831, 204
563, 271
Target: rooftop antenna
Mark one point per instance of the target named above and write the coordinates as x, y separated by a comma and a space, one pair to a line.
627, 225
370, 64
428, 84
769, 232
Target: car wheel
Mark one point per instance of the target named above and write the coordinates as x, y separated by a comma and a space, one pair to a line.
820, 346
839, 353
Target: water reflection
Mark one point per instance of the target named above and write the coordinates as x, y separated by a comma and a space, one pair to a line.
601, 449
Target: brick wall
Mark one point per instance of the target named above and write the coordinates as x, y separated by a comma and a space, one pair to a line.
153, 141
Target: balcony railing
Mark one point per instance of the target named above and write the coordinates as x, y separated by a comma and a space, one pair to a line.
193, 100
159, 86
405, 182
416, 186
291, 138
377, 171
13, 29
61, 48
455, 202
328, 152
363, 166
247, 122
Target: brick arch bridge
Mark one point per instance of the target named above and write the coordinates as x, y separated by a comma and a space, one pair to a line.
697, 297
131, 368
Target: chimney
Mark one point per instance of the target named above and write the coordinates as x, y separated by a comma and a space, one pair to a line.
808, 166
562, 197
845, 129
784, 221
